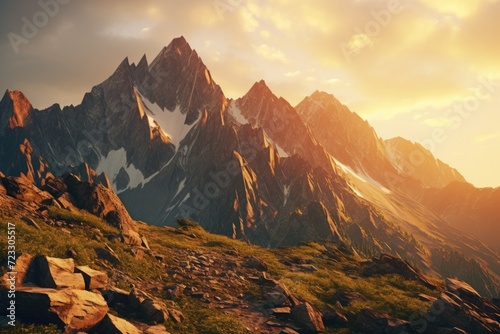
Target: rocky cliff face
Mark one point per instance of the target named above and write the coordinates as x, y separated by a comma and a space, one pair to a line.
414, 160
347, 137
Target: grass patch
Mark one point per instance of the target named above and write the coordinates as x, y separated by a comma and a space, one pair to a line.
84, 217
201, 320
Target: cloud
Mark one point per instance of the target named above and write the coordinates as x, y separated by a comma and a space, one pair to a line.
271, 53
420, 61
487, 136
439, 122
293, 74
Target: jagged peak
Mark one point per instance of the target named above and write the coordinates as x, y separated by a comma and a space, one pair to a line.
20, 106
261, 89
324, 99
122, 69
178, 47
143, 61
179, 42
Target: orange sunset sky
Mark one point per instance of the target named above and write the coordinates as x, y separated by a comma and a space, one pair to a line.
425, 70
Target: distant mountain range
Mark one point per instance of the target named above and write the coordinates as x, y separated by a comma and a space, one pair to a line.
172, 145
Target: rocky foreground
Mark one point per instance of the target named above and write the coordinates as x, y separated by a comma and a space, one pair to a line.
84, 266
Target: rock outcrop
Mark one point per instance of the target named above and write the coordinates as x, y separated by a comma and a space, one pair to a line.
71, 309
462, 308
387, 264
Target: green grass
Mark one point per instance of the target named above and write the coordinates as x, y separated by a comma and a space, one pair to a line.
30, 329
202, 320
391, 294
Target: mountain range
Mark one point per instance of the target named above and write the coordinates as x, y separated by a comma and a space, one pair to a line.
171, 145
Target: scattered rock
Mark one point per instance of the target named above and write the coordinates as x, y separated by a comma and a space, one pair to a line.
462, 307
71, 253
72, 309
373, 322
145, 243
255, 263
108, 254
276, 298
30, 222
334, 318
94, 279
58, 273
131, 238
153, 312
176, 315
114, 296
347, 297
281, 311
115, 325
307, 268
308, 318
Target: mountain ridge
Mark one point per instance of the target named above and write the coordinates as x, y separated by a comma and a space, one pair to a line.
248, 168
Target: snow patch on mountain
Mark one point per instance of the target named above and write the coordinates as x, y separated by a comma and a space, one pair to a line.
286, 193
172, 122
280, 149
114, 162
234, 111
362, 177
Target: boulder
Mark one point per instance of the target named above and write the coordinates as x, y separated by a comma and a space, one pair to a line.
23, 189
108, 254
145, 242
94, 279
347, 297
100, 201
460, 306
58, 273
152, 311
115, 325
56, 187
175, 315
115, 296
276, 298
255, 263
73, 309
136, 297
131, 238
308, 318
334, 318
373, 322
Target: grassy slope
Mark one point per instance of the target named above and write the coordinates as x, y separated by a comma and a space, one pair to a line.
336, 270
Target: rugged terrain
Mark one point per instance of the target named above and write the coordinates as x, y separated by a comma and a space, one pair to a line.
163, 139
97, 271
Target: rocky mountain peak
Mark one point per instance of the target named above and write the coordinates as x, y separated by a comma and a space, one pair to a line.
18, 105
262, 90
414, 160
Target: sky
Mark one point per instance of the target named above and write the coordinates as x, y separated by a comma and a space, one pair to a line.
425, 70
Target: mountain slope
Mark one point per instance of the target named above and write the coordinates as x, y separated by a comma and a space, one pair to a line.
414, 160
344, 135
173, 146
473, 210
